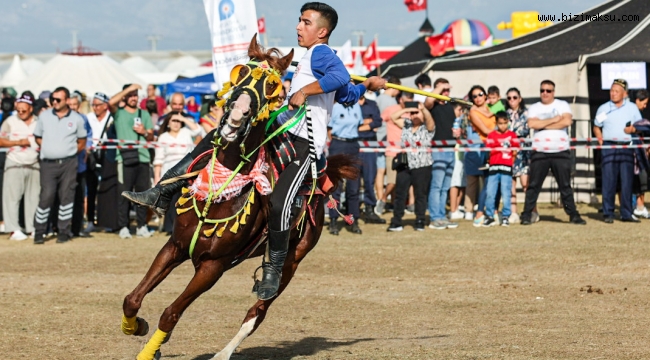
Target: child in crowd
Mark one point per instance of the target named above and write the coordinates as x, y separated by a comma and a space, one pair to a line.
500, 172
458, 179
494, 102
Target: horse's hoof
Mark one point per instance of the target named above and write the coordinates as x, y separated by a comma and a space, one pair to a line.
157, 355
143, 327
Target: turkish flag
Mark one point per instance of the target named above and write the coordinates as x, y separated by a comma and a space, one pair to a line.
416, 5
441, 43
261, 25
370, 55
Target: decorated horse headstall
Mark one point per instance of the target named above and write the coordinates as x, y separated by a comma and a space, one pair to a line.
261, 82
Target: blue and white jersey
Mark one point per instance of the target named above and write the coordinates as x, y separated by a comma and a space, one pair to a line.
321, 64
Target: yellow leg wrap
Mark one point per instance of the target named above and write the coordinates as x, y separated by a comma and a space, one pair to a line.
129, 325
152, 346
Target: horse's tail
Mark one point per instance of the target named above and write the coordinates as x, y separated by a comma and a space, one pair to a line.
340, 167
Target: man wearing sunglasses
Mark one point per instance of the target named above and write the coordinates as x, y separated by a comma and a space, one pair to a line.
61, 134
21, 170
613, 126
550, 118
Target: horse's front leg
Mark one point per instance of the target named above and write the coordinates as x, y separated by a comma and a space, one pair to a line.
257, 313
207, 274
169, 257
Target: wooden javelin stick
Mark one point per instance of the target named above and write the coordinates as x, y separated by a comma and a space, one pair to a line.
411, 90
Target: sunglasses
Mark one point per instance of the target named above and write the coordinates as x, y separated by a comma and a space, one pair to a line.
548, 91
513, 97
474, 96
98, 105
446, 90
56, 100
22, 112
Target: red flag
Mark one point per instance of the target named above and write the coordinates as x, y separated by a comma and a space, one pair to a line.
370, 54
416, 5
261, 25
441, 43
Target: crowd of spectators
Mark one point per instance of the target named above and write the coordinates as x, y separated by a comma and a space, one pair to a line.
60, 168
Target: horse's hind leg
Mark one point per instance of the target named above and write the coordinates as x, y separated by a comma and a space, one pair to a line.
256, 314
167, 259
207, 274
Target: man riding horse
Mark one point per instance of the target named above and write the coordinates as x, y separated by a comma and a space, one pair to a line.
319, 80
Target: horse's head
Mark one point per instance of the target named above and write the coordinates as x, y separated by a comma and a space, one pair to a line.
252, 91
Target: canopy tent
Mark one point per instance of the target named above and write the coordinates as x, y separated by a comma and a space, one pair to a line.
550, 53
181, 64
14, 75
147, 71
199, 85
89, 74
31, 65
407, 62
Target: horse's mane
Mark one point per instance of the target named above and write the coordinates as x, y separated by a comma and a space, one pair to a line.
272, 56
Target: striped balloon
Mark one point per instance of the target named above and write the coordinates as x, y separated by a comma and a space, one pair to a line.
468, 32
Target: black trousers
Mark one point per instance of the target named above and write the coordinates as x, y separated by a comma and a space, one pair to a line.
92, 184
132, 178
78, 207
420, 178
56, 179
560, 164
617, 169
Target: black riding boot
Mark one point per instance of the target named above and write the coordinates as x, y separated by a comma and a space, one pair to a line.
158, 197
278, 244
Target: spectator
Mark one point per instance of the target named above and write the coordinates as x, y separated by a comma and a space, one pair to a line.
60, 142
344, 136
132, 124
419, 127
423, 82
45, 95
494, 102
550, 118
641, 179
152, 109
500, 172
393, 136
458, 178
151, 95
518, 116
98, 120
80, 190
287, 85
39, 106
175, 141
211, 120
192, 107
386, 99
22, 168
371, 121
443, 162
615, 117
483, 122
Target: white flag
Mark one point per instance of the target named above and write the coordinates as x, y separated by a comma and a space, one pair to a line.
232, 26
345, 54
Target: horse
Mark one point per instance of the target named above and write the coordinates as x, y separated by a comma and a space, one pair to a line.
218, 236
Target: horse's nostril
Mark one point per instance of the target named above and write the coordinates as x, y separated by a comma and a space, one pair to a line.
236, 114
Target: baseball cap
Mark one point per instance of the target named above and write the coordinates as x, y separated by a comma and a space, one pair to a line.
101, 97
621, 82
45, 94
26, 98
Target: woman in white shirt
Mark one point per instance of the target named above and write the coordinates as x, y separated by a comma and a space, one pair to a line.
174, 142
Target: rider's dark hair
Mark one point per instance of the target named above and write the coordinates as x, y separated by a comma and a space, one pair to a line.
327, 12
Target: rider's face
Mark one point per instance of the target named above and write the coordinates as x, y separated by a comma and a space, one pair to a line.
311, 29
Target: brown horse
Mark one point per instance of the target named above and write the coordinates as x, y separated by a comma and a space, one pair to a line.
218, 247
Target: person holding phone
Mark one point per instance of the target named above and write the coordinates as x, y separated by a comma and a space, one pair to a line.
613, 126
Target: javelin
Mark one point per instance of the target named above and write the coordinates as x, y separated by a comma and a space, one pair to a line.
411, 90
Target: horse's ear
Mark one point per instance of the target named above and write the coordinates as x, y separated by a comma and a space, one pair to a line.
285, 61
253, 48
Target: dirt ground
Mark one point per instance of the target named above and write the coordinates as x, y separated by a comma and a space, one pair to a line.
548, 291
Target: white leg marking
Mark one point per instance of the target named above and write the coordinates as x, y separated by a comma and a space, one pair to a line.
243, 333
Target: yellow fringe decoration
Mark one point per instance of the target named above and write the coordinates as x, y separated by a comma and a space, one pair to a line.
221, 231
221, 103
235, 227
185, 190
129, 325
182, 211
257, 73
152, 346
242, 220
182, 200
247, 208
251, 198
209, 232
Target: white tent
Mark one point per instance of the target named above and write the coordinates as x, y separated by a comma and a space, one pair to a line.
14, 75
181, 64
137, 64
31, 65
88, 74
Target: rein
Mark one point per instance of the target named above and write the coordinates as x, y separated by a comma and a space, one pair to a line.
245, 159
